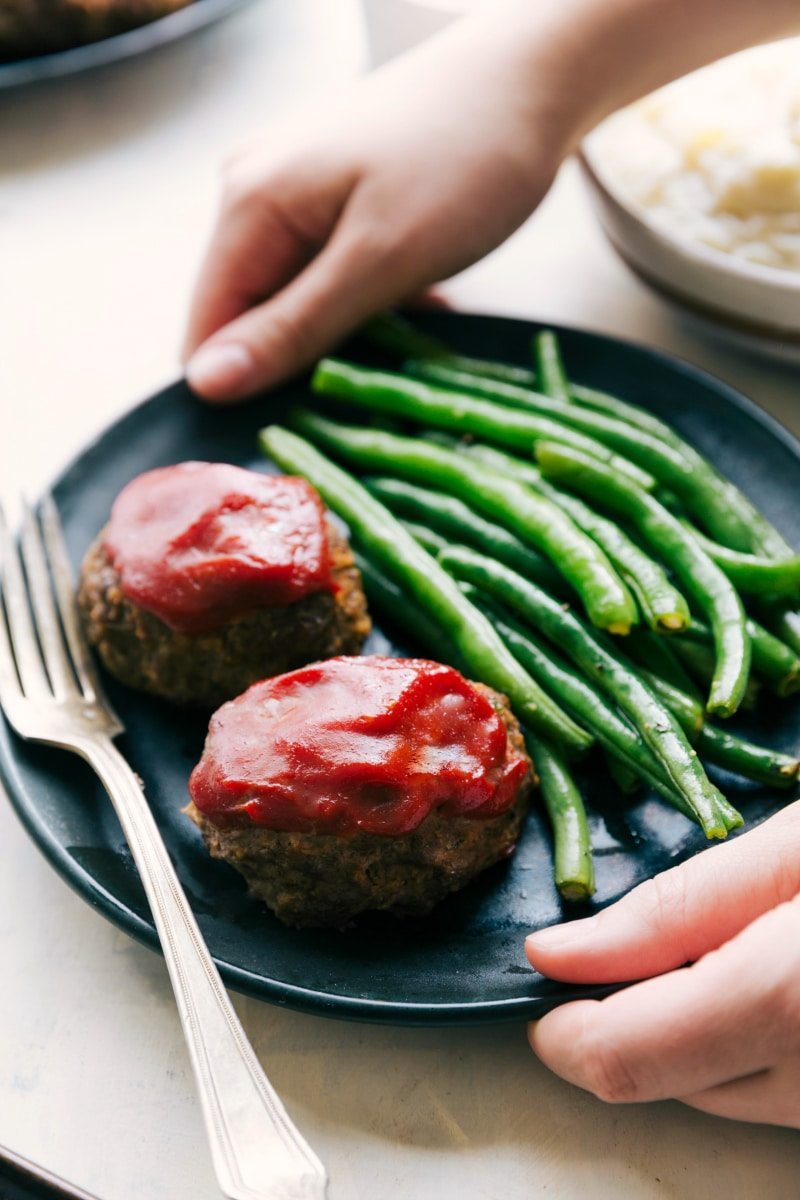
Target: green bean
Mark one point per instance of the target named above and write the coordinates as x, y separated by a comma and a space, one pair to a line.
521, 376
385, 391
449, 516
772, 660
572, 847
714, 500
785, 625
606, 403
580, 698
549, 365
764, 538
450, 441
730, 515
500, 460
396, 335
700, 661
573, 867
483, 368
605, 597
684, 707
697, 657
387, 424
613, 406
391, 601
527, 378
384, 540
709, 588
431, 541
752, 573
682, 702
656, 724
623, 776
744, 758
656, 654
664, 608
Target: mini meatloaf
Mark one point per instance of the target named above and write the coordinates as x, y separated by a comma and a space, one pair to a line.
359, 784
209, 577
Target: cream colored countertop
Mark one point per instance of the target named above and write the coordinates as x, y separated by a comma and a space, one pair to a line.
107, 190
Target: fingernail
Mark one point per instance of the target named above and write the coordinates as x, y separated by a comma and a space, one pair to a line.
556, 936
220, 369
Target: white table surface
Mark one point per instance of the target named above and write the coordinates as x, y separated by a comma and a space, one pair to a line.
107, 190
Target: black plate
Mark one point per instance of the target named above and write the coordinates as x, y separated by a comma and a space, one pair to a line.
122, 45
466, 961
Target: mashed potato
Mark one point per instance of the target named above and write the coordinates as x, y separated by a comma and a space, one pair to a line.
715, 157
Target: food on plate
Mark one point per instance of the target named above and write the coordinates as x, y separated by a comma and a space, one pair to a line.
385, 541
573, 868
715, 157
650, 443
665, 534
663, 607
413, 398
499, 493
456, 521
364, 783
639, 590
530, 515
32, 27
209, 577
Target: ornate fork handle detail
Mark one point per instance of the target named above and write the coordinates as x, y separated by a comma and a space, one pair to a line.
257, 1152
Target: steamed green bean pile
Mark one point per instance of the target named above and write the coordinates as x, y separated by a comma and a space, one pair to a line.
570, 549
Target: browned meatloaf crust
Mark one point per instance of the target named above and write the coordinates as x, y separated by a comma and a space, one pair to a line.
206, 669
310, 879
31, 27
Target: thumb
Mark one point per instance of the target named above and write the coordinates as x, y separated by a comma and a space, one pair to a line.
349, 280
680, 915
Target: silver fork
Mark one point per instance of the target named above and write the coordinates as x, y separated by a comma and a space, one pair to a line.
50, 693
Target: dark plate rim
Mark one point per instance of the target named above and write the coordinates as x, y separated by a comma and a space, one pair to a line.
260, 986
120, 46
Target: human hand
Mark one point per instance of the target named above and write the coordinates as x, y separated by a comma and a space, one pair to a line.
428, 165
723, 1035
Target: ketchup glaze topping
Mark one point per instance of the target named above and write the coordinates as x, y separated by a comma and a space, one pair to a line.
370, 743
199, 543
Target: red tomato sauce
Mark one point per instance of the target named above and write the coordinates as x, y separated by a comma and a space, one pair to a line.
200, 543
372, 744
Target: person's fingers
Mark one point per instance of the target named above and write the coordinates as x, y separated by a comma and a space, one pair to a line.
357, 273
770, 1097
681, 914
233, 279
270, 225
735, 1012
251, 254
430, 298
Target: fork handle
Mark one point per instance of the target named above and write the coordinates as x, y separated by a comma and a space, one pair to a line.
257, 1152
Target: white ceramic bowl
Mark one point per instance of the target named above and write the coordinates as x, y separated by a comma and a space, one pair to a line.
759, 306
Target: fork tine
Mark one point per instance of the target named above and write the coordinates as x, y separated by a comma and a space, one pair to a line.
10, 692
20, 624
45, 617
65, 597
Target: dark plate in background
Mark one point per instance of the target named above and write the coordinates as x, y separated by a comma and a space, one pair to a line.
465, 962
122, 45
